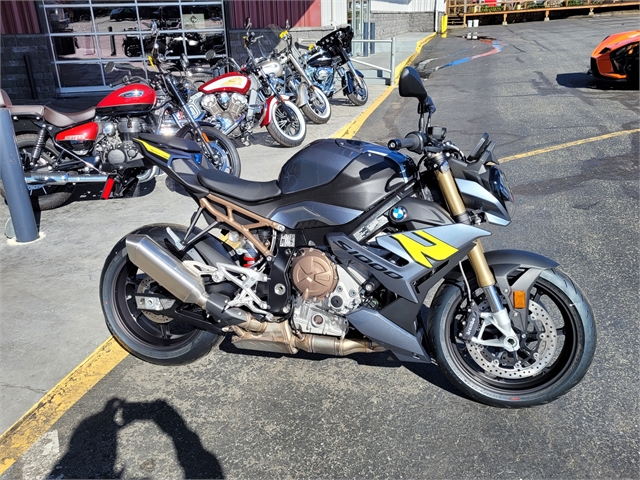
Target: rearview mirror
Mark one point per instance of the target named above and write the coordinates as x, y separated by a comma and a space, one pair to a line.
410, 85
247, 23
109, 67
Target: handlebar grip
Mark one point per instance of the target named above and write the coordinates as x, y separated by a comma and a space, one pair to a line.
409, 143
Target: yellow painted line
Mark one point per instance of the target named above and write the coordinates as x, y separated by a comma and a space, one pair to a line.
41, 417
568, 144
350, 130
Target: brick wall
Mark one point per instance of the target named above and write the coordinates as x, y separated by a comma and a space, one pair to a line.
391, 24
13, 72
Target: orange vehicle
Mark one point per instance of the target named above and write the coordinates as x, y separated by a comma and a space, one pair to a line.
617, 57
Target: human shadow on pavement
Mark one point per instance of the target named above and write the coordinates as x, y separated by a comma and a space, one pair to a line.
92, 450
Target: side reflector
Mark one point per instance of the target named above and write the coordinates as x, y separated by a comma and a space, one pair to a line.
519, 299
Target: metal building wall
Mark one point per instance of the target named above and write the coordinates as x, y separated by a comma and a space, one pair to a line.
18, 18
306, 13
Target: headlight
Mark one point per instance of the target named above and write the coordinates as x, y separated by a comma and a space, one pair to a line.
500, 189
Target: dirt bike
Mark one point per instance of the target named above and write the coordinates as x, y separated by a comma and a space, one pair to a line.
60, 150
341, 261
237, 101
330, 58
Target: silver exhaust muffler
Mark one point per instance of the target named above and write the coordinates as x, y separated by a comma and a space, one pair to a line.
169, 272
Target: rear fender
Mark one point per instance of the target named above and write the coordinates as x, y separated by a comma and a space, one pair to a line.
514, 270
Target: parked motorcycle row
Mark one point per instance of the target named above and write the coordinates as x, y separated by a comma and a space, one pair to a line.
278, 90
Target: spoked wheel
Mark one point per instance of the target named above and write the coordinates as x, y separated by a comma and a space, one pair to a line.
554, 353
225, 155
287, 126
44, 196
161, 339
318, 108
360, 93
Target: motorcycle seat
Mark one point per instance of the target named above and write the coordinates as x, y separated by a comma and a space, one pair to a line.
20, 110
61, 120
172, 142
245, 190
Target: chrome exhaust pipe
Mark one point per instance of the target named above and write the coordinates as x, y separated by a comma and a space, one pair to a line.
169, 272
58, 178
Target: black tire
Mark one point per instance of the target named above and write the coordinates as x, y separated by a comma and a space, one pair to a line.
318, 108
360, 93
44, 197
226, 158
558, 363
284, 130
163, 340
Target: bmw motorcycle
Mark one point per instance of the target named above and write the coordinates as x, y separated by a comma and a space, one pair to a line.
330, 58
341, 261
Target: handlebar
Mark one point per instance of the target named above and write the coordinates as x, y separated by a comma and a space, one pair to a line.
414, 142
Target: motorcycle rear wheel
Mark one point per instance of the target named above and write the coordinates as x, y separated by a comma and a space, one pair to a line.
288, 132
554, 353
226, 158
318, 108
43, 197
153, 338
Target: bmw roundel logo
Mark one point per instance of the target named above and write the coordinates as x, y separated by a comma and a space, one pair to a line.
398, 213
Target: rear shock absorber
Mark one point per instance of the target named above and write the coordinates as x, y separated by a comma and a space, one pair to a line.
42, 138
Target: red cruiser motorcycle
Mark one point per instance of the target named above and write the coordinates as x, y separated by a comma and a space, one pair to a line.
59, 150
236, 101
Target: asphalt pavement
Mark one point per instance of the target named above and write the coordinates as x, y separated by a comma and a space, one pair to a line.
241, 415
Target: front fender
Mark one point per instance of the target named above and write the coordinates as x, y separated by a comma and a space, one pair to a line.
347, 81
514, 270
269, 105
303, 95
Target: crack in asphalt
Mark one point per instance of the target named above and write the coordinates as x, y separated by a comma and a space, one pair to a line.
35, 390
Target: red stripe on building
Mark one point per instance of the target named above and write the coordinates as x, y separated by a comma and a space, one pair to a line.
299, 13
18, 18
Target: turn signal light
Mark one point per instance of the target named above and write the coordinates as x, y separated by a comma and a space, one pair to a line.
519, 299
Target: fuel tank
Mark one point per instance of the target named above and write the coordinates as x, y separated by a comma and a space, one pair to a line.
272, 67
133, 99
231, 82
320, 59
335, 180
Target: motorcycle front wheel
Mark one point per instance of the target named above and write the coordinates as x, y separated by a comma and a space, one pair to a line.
318, 108
225, 158
43, 197
287, 125
554, 352
154, 338
360, 93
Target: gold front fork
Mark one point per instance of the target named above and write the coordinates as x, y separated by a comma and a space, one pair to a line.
486, 280
457, 207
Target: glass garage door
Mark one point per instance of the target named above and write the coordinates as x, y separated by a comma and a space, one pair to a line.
86, 34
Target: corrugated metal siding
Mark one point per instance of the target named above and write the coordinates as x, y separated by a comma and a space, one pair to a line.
299, 13
18, 18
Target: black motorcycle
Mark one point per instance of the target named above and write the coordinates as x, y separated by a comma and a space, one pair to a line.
341, 261
330, 58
